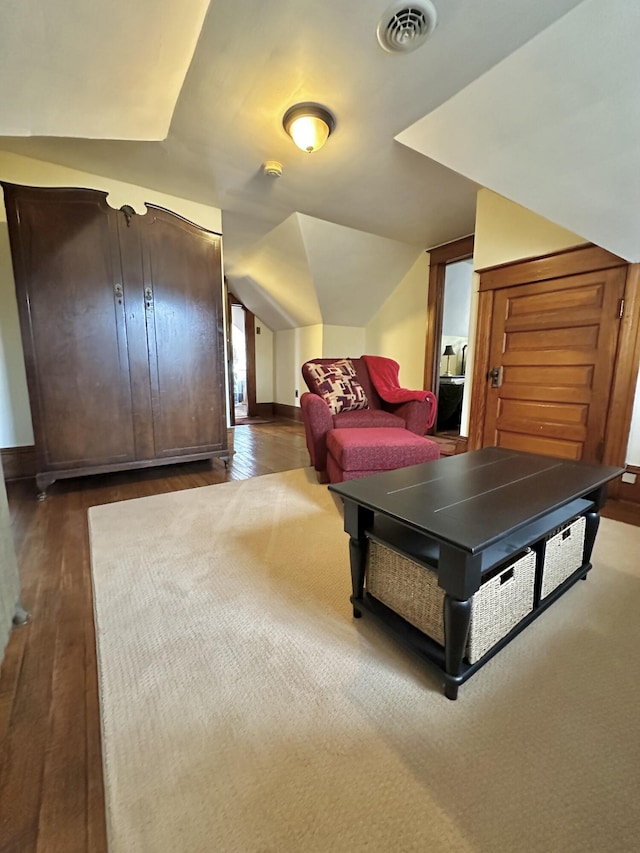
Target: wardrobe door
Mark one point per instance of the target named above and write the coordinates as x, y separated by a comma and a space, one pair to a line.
70, 298
183, 304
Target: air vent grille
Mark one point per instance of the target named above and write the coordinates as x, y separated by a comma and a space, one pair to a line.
406, 26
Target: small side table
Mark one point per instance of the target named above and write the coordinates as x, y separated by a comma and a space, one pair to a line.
450, 393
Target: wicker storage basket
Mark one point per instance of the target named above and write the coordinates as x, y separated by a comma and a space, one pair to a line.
563, 554
412, 591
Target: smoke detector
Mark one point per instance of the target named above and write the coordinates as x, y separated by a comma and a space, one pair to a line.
272, 168
405, 26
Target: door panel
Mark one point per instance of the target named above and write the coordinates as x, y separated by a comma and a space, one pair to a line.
556, 342
183, 304
129, 237
71, 300
585, 298
559, 380
565, 339
550, 412
566, 449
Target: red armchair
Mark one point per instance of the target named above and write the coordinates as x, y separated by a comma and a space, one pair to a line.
416, 415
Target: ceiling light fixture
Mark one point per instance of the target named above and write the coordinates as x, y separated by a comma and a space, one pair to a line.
309, 125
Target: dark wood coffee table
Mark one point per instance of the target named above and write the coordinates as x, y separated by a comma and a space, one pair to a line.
462, 516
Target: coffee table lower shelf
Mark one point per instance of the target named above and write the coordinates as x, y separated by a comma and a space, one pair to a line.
432, 653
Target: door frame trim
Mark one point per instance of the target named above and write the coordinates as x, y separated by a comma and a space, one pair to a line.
625, 376
579, 259
228, 298
439, 257
582, 259
250, 357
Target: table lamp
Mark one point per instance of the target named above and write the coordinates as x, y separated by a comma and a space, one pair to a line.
448, 352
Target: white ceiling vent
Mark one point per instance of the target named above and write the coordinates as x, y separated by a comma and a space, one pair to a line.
405, 26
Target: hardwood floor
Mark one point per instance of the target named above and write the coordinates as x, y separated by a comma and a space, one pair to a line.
51, 791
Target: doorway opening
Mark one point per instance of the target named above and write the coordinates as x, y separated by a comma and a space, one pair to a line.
454, 342
239, 363
446, 347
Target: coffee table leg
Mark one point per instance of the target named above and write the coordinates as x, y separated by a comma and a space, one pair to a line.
592, 520
457, 616
459, 575
357, 558
356, 521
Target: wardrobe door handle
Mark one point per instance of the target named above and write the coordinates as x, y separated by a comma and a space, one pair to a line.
148, 296
119, 292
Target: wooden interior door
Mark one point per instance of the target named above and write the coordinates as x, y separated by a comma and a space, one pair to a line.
184, 318
552, 349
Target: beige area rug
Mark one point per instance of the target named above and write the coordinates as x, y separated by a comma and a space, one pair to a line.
244, 709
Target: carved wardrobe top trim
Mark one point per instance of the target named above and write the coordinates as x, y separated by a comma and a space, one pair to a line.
100, 197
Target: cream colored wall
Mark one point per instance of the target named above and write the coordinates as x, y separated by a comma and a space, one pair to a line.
284, 349
15, 415
633, 449
9, 580
506, 232
342, 341
264, 363
292, 347
398, 330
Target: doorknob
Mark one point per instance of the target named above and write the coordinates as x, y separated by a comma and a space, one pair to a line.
495, 374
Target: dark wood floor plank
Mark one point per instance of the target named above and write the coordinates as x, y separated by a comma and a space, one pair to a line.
14, 655
63, 809
96, 829
24, 748
51, 783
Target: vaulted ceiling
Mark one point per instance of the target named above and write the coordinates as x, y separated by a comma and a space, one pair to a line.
536, 100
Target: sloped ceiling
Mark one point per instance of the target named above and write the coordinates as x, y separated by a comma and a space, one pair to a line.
97, 70
355, 256
321, 243
306, 268
556, 126
279, 263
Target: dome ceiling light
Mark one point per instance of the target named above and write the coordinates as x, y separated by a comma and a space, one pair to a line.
309, 125
405, 26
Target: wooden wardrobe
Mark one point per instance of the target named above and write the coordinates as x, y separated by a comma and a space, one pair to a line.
122, 327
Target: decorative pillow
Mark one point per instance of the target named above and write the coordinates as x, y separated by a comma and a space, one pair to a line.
338, 386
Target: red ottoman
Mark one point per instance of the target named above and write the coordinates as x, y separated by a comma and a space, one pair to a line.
353, 453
